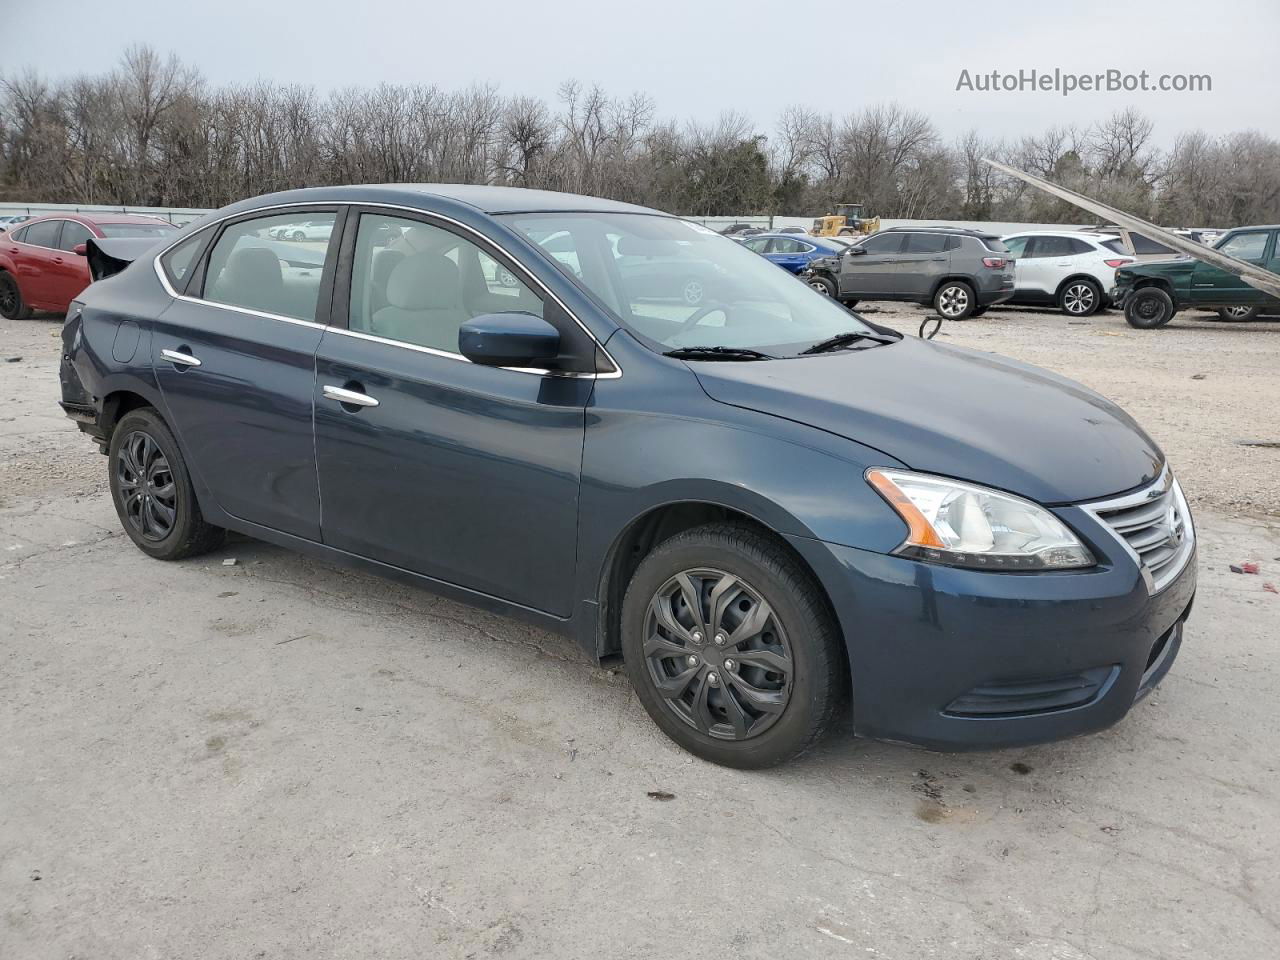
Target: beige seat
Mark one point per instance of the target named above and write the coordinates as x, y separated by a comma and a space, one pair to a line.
424, 303
252, 278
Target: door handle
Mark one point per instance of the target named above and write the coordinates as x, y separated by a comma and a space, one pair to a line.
180, 358
939, 259
348, 397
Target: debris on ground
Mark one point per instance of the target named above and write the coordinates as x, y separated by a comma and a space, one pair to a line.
229, 562
1270, 588
1248, 566
1198, 376
12, 359
660, 795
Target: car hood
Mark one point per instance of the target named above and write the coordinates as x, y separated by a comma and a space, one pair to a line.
955, 412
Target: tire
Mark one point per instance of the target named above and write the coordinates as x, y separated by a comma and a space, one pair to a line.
1239, 314
824, 285
142, 446
850, 303
1080, 298
711, 707
1148, 307
12, 306
954, 300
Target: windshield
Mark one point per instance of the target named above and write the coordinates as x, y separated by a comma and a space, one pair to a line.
676, 284
136, 229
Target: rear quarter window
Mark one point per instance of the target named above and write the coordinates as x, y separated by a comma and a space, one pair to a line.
994, 244
178, 261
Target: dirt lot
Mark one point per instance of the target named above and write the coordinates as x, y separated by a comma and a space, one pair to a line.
284, 759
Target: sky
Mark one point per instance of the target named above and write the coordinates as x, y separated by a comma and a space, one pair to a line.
699, 58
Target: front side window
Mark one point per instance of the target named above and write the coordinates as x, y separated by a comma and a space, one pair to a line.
43, 234
418, 283
1245, 246
883, 243
676, 284
73, 234
271, 276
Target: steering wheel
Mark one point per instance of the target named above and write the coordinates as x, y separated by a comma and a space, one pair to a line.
691, 321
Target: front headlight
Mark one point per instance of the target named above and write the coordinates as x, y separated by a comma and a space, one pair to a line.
964, 525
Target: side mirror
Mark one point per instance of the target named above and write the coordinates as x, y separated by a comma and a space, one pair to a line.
856, 252
509, 340
80, 249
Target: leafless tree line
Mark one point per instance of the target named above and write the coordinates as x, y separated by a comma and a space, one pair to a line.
153, 132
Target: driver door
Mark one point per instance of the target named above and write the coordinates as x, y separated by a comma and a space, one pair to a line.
867, 276
1213, 286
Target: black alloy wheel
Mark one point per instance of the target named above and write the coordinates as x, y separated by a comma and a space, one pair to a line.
716, 652
148, 493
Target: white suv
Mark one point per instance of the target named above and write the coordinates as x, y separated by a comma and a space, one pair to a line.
1067, 269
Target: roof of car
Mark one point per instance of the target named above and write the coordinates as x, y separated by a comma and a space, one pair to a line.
95, 219
1083, 234
517, 199
941, 228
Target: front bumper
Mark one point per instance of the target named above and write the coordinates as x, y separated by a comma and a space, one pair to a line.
957, 659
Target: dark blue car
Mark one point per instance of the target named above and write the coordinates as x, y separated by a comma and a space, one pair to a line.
763, 503
791, 251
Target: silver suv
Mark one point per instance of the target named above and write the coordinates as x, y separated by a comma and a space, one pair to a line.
959, 272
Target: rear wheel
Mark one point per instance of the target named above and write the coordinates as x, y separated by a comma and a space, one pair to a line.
12, 306
954, 300
1080, 298
730, 647
1148, 308
1237, 314
152, 490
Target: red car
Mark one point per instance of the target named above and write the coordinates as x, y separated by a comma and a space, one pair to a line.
42, 262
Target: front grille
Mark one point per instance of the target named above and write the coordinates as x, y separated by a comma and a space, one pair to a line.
1154, 525
1005, 698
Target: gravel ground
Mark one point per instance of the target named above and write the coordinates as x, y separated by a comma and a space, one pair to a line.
281, 759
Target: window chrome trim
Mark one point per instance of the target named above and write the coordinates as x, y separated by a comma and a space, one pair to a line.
614, 374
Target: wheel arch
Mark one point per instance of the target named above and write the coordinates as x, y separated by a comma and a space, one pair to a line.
119, 402
1057, 294
949, 278
653, 527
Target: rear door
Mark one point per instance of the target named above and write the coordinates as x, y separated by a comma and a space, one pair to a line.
235, 360
789, 253
34, 262
871, 274
461, 472
924, 259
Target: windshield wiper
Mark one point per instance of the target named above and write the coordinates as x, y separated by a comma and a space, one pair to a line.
842, 340
717, 353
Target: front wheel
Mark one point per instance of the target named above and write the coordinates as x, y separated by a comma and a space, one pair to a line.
731, 648
954, 300
1238, 314
1148, 308
152, 490
824, 285
299, 236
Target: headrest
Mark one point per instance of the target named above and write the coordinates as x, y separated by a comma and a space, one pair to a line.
423, 281
253, 268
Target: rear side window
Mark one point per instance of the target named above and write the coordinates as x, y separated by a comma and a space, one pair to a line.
73, 234
1053, 247
1116, 246
926, 243
19, 236
43, 234
995, 244
177, 263
1146, 245
1017, 246
246, 269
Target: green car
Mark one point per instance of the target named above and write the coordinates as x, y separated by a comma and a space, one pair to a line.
1151, 293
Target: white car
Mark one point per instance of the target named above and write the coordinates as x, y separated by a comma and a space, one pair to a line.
1067, 269
303, 230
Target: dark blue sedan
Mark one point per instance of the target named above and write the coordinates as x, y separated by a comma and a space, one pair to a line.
760, 501
791, 251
